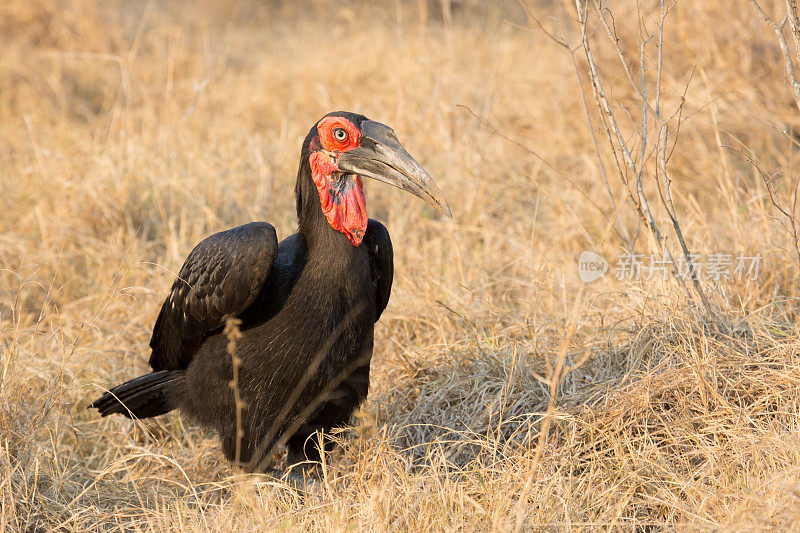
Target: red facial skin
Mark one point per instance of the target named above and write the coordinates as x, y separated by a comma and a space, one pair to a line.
342, 199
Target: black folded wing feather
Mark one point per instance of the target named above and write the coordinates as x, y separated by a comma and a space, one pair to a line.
381, 255
221, 277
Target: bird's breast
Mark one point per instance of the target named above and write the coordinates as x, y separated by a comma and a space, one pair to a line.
327, 312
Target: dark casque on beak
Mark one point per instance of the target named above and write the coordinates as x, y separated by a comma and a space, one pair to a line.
380, 156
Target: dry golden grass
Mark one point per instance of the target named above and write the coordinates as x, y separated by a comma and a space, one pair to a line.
131, 130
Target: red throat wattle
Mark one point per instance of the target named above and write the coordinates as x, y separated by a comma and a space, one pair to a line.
340, 195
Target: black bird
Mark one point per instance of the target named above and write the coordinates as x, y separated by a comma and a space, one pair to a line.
307, 306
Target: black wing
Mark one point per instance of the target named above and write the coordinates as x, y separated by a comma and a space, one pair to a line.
379, 245
222, 276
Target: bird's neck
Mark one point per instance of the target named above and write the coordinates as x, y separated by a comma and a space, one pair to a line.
313, 224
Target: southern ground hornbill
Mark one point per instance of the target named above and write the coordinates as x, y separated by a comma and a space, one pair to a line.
307, 306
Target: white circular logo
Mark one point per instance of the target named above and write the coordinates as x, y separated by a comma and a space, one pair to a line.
591, 266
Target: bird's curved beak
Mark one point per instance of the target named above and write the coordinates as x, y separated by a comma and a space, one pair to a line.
380, 156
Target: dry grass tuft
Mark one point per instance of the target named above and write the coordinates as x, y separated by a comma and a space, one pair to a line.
131, 130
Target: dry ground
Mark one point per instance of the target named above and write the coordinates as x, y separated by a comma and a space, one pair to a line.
129, 130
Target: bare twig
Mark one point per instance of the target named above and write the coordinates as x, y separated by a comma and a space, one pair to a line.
792, 17
622, 232
789, 220
785, 206
666, 198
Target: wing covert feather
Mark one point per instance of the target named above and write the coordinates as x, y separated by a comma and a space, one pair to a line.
379, 245
221, 276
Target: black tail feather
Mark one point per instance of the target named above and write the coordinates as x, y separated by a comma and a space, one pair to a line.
150, 395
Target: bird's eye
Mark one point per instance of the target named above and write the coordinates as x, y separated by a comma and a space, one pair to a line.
340, 134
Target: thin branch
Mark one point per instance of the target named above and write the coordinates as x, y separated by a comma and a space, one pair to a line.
561, 42
505, 137
624, 231
787, 56
791, 223
794, 24
666, 199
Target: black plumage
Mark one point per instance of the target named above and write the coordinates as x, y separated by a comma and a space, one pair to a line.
307, 308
